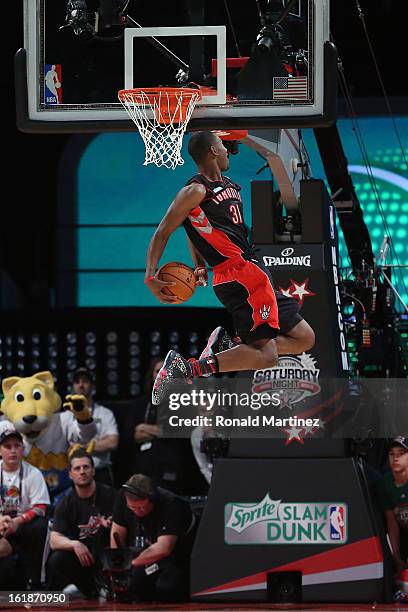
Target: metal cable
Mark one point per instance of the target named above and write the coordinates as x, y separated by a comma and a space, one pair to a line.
360, 140
232, 28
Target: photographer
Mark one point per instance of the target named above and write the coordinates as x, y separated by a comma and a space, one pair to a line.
161, 571
23, 504
80, 529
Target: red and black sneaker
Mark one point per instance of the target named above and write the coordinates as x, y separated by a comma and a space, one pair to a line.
174, 367
218, 341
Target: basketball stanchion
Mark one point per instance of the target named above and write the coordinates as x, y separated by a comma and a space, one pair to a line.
161, 115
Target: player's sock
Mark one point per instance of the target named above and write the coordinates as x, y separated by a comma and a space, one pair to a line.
204, 367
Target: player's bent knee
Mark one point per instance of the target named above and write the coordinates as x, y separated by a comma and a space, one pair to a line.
309, 340
305, 337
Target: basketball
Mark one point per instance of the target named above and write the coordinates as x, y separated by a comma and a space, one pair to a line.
182, 275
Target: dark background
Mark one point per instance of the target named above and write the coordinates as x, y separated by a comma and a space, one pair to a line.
30, 161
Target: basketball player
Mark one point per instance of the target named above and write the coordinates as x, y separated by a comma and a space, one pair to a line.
268, 323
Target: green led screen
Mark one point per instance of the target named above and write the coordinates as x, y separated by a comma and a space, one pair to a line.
114, 188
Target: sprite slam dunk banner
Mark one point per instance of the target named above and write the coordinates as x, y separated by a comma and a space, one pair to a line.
278, 522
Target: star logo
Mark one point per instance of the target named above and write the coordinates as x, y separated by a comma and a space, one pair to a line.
313, 429
297, 290
309, 430
286, 292
284, 400
294, 435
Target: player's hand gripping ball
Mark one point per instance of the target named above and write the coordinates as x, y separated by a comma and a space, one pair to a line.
183, 278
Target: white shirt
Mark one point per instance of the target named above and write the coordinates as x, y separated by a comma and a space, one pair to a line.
33, 489
105, 426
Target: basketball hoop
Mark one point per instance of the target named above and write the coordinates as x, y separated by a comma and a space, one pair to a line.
161, 116
231, 134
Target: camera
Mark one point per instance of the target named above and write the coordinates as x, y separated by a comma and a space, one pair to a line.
284, 587
214, 445
77, 19
116, 559
116, 569
270, 38
101, 19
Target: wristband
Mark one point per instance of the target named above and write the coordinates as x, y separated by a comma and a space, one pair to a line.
148, 279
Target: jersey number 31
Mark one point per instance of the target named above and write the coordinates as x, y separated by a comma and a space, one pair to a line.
235, 214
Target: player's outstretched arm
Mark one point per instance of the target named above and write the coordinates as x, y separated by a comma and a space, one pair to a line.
185, 201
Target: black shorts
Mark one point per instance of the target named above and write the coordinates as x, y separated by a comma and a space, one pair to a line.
246, 290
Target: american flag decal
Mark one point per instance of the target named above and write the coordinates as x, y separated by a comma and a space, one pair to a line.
290, 88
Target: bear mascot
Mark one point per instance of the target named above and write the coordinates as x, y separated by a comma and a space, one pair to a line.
30, 405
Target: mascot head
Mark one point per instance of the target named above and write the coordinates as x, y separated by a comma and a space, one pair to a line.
29, 403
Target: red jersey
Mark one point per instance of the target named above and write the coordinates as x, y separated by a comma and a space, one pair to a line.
216, 226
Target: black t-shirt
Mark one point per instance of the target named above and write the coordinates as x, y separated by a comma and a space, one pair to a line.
170, 515
79, 518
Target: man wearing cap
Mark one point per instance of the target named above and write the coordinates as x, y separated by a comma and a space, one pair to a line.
107, 437
24, 499
166, 524
392, 493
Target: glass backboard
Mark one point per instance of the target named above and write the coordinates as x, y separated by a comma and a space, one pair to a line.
265, 63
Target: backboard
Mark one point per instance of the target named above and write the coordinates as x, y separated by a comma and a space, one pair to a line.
265, 63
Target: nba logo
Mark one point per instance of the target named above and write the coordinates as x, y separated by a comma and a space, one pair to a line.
52, 84
337, 524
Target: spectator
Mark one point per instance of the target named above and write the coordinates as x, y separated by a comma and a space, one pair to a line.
161, 571
81, 528
169, 462
24, 500
106, 439
392, 493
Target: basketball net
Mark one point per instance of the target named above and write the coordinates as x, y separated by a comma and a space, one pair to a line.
161, 115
